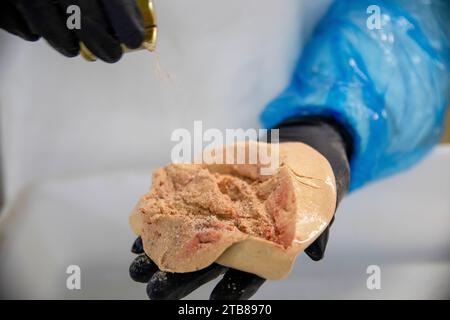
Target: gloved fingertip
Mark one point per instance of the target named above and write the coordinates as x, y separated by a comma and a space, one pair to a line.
28, 36
126, 20
316, 250
236, 285
67, 51
13, 22
112, 56
134, 40
174, 286
315, 253
142, 269
156, 287
138, 246
111, 59
31, 37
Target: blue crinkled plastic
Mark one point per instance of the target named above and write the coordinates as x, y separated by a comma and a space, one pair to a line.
389, 87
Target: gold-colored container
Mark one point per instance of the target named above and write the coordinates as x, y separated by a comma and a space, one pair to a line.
147, 10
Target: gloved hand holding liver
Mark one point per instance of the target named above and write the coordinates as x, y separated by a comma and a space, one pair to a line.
197, 214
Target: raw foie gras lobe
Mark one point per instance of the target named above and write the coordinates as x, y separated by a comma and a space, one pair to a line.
195, 215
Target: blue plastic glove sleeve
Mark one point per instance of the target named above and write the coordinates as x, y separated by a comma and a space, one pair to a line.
387, 84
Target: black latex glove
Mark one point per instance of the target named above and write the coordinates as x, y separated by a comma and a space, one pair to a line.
105, 24
323, 135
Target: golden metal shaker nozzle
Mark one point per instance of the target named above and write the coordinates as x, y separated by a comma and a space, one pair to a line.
147, 10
